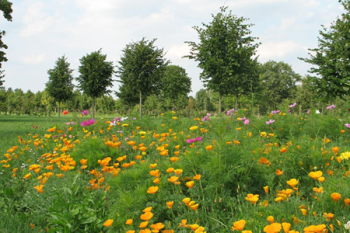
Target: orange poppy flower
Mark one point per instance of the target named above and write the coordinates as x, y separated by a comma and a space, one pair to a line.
252, 198
271, 219
190, 184
315, 175
335, 196
279, 172
128, 222
146, 216
238, 225
347, 201
39, 188
152, 189
273, 228
286, 227
292, 182
266, 189
170, 204
143, 224
108, 223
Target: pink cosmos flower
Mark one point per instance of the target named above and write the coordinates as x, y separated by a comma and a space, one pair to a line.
270, 121
293, 105
87, 122
347, 125
246, 122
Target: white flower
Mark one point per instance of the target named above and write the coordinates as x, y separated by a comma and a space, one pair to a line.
347, 225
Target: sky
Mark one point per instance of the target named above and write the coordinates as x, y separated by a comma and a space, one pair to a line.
44, 30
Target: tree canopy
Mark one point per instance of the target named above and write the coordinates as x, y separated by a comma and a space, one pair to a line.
60, 85
225, 53
6, 8
277, 82
331, 58
95, 76
175, 83
141, 69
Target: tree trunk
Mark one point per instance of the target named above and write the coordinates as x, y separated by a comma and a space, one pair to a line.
220, 102
93, 108
236, 105
140, 104
59, 111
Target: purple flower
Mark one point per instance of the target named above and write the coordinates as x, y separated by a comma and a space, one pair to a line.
87, 122
85, 112
270, 121
275, 112
243, 119
293, 105
347, 125
308, 111
246, 122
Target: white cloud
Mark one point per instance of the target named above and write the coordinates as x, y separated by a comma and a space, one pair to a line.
310, 14
34, 59
273, 50
35, 20
178, 51
287, 22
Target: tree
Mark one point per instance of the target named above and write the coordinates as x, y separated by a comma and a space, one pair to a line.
175, 83
6, 8
60, 85
224, 53
331, 58
278, 82
95, 76
141, 69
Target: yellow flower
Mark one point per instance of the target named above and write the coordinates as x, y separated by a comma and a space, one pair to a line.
209, 147
174, 118
263, 134
193, 128
345, 155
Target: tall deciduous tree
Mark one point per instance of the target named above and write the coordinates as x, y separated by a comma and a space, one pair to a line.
225, 53
141, 69
6, 8
175, 83
95, 76
278, 82
60, 85
331, 58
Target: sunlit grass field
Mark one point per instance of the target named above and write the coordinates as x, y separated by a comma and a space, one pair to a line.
279, 173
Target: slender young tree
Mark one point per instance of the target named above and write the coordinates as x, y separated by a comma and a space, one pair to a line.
60, 86
95, 76
141, 69
225, 54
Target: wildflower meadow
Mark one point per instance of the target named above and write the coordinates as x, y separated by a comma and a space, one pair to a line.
235, 172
